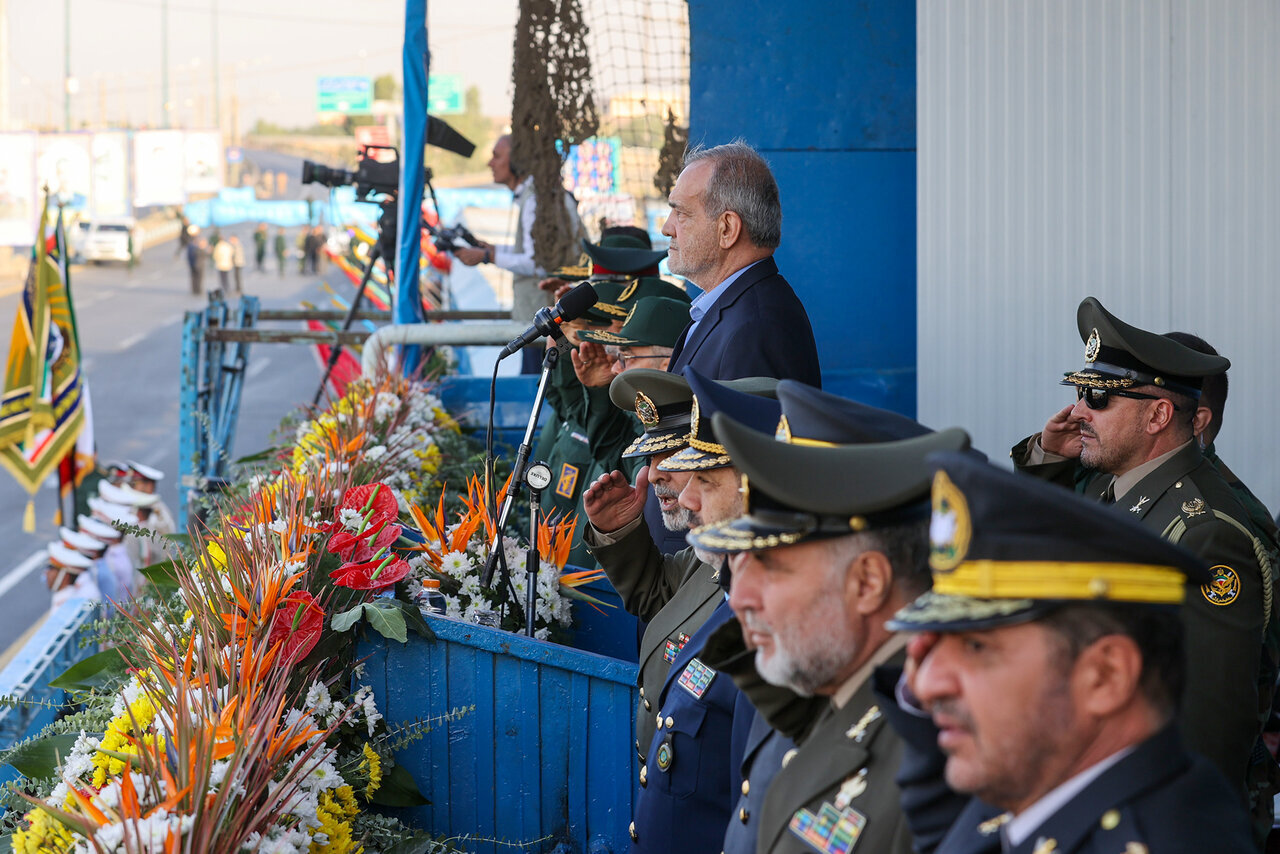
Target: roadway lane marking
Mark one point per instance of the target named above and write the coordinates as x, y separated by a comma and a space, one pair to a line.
22, 570
256, 368
131, 340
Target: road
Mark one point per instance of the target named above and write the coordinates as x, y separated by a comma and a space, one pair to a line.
130, 333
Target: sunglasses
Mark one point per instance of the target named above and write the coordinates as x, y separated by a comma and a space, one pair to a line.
1098, 398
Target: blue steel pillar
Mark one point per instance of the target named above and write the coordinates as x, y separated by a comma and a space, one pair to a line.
826, 91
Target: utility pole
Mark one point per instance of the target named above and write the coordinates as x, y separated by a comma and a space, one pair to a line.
66, 65
164, 63
216, 68
4, 65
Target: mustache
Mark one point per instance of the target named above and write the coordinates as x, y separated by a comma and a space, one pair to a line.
952, 711
665, 491
752, 621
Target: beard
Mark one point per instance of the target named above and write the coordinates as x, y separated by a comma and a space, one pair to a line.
678, 518
806, 663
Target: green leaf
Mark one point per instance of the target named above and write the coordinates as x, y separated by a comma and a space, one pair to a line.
266, 454
38, 759
398, 789
386, 619
344, 620
93, 672
163, 574
412, 617
183, 540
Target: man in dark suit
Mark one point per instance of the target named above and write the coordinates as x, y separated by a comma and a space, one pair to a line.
725, 222
1050, 658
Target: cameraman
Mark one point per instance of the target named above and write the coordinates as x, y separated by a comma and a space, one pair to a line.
526, 297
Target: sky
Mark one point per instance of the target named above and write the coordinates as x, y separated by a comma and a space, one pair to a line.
270, 53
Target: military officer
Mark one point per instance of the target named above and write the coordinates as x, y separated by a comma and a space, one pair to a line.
1050, 659
1132, 427
145, 478
809, 416
676, 593
66, 577
689, 770
832, 543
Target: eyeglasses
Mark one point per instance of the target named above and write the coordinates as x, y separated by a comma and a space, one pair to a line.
624, 359
1098, 398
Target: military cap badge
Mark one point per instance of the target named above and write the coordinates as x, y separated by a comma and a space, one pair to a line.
646, 411
949, 528
1093, 346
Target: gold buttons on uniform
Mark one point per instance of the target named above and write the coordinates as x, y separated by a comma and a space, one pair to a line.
743, 815
788, 756
648, 707
746, 787
659, 720
1110, 819
644, 775
641, 690
670, 722
632, 831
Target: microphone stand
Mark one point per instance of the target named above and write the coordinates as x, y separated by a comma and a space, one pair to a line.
497, 556
533, 559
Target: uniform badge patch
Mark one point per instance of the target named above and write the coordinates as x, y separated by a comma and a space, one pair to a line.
1223, 587
672, 647
1194, 507
949, 528
830, 831
858, 731
696, 678
666, 756
851, 788
568, 481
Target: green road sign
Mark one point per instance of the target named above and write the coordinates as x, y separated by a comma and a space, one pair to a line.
445, 94
344, 95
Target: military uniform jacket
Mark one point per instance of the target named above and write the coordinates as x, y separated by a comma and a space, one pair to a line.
675, 594
1186, 499
837, 794
1157, 799
777, 716
689, 772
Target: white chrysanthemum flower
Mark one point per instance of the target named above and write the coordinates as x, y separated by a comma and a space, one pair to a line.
375, 453
350, 518
542, 634
110, 836
317, 699
278, 526
455, 565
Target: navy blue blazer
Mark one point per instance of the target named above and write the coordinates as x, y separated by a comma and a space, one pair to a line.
690, 772
757, 328
1158, 798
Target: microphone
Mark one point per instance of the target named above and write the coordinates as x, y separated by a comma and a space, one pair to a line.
547, 320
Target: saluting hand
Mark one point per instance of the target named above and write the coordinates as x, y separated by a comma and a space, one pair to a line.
612, 503
1061, 434
918, 649
592, 364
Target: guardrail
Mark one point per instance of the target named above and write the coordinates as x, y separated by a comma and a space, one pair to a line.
54, 647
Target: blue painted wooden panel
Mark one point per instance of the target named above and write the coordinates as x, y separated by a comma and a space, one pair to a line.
546, 752
826, 91
607, 631
804, 74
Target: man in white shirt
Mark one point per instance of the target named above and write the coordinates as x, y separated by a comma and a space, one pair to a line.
517, 258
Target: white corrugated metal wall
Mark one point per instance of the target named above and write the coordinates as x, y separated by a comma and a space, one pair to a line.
1124, 149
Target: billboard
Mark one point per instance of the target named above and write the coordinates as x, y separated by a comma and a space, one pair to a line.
352, 94
202, 161
158, 167
445, 94
110, 155
592, 168
64, 165
18, 209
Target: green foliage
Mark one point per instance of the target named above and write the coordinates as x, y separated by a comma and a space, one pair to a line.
96, 671
398, 789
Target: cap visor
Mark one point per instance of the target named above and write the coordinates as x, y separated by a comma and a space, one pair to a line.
608, 338
942, 612
743, 534
652, 443
691, 459
1090, 378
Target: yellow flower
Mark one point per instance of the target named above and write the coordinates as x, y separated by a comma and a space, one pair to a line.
336, 809
371, 767
43, 835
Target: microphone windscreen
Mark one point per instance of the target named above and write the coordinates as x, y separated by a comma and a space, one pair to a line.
573, 304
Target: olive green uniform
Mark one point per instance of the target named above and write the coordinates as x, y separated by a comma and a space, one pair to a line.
577, 453
1187, 501
675, 594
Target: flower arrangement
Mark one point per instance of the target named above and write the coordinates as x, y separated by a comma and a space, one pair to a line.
453, 556
229, 716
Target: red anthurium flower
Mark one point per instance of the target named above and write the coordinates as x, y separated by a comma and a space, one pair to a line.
297, 624
359, 549
383, 504
371, 575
